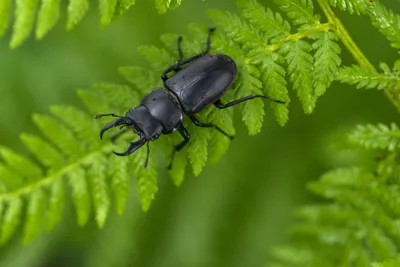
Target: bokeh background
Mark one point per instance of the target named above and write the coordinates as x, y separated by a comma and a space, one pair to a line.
236, 210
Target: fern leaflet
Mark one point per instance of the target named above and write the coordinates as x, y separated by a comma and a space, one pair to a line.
364, 77
48, 13
352, 6
359, 218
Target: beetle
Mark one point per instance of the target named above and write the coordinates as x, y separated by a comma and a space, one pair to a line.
197, 82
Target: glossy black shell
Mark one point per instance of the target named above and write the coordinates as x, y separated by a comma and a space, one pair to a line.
164, 109
202, 82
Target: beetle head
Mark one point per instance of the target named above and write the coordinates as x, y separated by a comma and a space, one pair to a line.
124, 121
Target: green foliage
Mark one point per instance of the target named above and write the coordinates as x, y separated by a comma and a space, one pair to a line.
352, 6
364, 77
384, 19
358, 225
270, 53
387, 22
45, 13
389, 263
270, 50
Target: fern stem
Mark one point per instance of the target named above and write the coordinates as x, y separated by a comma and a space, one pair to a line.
300, 35
58, 175
353, 47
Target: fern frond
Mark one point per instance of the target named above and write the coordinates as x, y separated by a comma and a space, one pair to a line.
326, 61
47, 17
364, 77
46, 13
300, 65
272, 25
387, 22
352, 6
300, 11
375, 136
358, 225
163, 5
25, 11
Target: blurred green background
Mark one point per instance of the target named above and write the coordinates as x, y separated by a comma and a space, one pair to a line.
236, 210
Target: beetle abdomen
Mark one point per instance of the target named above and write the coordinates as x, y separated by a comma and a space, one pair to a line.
202, 82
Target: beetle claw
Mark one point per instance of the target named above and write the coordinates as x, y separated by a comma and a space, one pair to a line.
111, 125
132, 148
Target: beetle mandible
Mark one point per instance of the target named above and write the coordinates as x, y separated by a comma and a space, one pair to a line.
198, 82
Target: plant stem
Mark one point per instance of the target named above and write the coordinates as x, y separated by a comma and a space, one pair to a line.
300, 35
354, 49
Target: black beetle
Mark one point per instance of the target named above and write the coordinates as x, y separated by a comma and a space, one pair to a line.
190, 90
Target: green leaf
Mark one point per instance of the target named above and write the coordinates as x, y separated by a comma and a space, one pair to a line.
76, 11
379, 136
364, 77
236, 29
120, 182
198, 151
99, 190
117, 94
178, 170
11, 219
80, 195
300, 65
352, 6
92, 101
48, 15
107, 10
142, 78
5, 8
34, 213
326, 61
300, 11
146, 178
252, 111
56, 203
163, 5
10, 178
219, 144
80, 122
123, 5
388, 263
274, 84
44, 152
387, 22
61, 136
265, 20
25, 11
21, 165
159, 59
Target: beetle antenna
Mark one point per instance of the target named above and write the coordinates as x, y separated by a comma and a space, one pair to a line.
98, 116
147, 156
274, 100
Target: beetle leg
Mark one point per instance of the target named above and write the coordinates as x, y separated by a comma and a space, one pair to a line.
208, 43
180, 53
219, 104
210, 125
181, 62
186, 136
